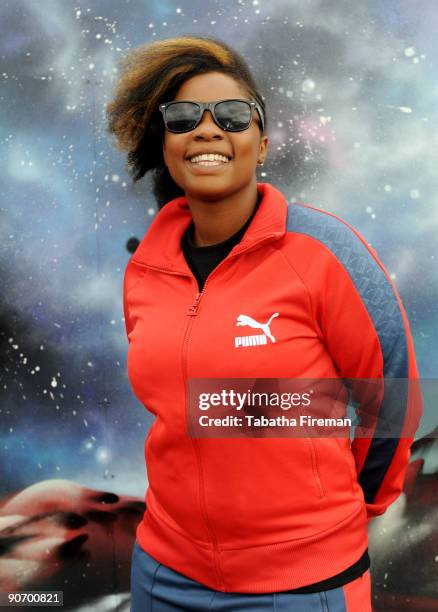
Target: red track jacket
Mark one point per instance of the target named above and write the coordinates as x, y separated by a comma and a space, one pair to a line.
258, 515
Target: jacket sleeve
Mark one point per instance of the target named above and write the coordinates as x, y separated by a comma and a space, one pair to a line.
128, 322
366, 331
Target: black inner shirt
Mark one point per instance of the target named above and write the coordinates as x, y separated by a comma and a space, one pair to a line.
203, 259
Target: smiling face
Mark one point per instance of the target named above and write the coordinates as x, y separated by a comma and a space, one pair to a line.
244, 149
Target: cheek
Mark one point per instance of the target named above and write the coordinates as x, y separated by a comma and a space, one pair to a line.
247, 148
247, 154
173, 150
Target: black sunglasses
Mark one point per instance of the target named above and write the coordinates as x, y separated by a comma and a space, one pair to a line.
231, 115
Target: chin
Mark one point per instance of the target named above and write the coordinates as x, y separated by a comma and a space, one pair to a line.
212, 190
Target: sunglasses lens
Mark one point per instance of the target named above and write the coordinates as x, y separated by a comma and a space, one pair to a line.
182, 116
233, 115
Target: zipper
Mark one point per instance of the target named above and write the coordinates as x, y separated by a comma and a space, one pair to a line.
194, 443
191, 313
193, 309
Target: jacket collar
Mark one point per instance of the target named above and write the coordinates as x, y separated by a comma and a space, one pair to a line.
161, 245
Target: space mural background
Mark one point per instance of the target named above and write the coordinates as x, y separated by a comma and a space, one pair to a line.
352, 97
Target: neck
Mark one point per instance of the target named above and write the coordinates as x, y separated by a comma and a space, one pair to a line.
217, 220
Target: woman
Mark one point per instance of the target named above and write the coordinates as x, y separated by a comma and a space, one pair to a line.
231, 282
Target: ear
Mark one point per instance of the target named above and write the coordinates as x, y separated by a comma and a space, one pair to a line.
263, 151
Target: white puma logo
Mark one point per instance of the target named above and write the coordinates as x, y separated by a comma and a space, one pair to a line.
254, 340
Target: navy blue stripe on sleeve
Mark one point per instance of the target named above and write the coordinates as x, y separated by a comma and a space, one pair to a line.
381, 303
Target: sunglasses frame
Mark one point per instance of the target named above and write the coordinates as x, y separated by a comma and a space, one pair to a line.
211, 107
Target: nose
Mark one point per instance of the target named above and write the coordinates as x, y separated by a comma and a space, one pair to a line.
207, 126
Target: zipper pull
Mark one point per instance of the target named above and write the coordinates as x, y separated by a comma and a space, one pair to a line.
193, 310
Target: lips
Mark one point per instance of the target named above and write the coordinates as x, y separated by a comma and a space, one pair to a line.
202, 168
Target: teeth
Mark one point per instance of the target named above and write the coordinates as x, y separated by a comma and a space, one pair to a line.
209, 157
208, 163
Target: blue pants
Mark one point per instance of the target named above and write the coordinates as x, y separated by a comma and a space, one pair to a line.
157, 588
